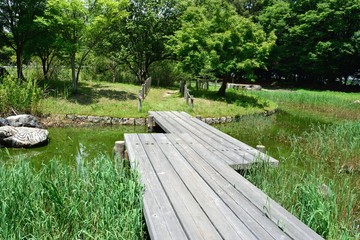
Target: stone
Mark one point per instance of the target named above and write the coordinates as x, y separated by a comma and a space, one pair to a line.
3, 122
115, 120
24, 120
23, 137
107, 120
223, 120
257, 87
94, 119
140, 121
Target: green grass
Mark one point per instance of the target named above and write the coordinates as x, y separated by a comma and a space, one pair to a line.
120, 100
327, 106
19, 96
315, 136
94, 200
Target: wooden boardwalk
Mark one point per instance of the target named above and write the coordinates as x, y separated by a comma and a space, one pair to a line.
234, 152
192, 193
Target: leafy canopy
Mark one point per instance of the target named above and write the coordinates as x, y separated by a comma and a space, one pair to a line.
214, 39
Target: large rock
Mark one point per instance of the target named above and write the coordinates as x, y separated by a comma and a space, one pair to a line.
23, 137
24, 120
3, 122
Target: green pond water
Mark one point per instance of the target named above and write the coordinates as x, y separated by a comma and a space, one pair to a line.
72, 144
273, 132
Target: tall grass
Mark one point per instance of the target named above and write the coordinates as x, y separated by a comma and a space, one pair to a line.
311, 183
92, 201
22, 97
324, 105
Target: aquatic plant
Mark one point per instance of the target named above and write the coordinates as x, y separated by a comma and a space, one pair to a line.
60, 202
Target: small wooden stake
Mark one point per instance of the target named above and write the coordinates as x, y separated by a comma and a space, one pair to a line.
261, 148
119, 150
150, 123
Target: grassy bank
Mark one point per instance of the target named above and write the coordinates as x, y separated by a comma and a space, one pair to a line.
92, 201
327, 106
120, 100
318, 176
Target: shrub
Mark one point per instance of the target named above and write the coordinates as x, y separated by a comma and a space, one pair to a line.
21, 96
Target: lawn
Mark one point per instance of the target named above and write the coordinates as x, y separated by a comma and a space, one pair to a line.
120, 100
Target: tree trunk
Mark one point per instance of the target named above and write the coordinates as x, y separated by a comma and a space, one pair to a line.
19, 66
44, 68
73, 74
222, 89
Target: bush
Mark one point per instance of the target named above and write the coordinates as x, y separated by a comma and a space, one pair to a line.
21, 96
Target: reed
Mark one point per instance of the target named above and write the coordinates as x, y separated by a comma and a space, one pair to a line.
91, 201
324, 105
318, 175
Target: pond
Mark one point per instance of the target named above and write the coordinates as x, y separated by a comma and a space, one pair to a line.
273, 132
72, 143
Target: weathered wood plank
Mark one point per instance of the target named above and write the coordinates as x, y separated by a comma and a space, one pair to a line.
164, 124
245, 211
229, 139
276, 213
160, 217
229, 153
226, 222
238, 156
197, 190
194, 221
235, 159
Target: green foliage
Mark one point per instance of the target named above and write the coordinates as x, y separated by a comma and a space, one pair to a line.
218, 41
138, 41
311, 180
17, 26
81, 25
317, 40
326, 106
315, 136
166, 74
94, 200
19, 96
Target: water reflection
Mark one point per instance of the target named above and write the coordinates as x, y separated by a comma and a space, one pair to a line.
72, 145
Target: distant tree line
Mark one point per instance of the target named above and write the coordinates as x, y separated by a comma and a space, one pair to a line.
303, 42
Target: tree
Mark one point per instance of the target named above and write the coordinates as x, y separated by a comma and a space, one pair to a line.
249, 8
81, 25
44, 45
214, 39
317, 39
17, 26
139, 40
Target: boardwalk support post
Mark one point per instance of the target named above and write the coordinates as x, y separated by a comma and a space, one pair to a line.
150, 123
261, 148
139, 102
119, 150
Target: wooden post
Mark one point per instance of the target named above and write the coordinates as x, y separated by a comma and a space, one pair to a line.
143, 91
139, 104
119, 151
182, 86
191, 102
261, 148
150, 123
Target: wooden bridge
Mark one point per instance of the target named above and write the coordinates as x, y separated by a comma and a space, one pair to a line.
193, 192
